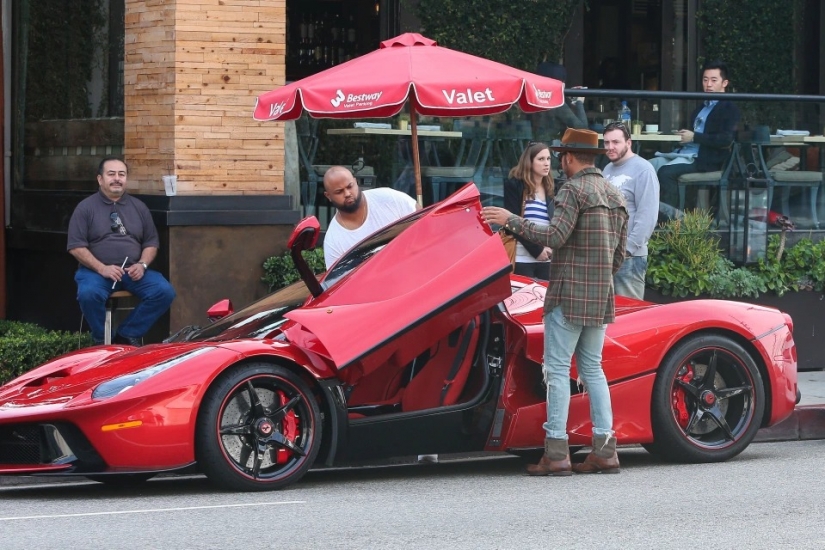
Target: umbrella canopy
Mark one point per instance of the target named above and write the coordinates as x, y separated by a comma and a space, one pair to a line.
436, 81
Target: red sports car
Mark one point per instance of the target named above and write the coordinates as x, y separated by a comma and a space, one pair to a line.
419, 340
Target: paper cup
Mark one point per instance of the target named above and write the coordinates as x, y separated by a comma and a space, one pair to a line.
170, 184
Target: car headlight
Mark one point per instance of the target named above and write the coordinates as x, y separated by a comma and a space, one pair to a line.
120, 384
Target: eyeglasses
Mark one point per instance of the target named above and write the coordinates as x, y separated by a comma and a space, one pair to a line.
617, 126
117, 225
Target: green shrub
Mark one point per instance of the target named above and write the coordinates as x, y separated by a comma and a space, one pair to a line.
684, 258
801, 267
24, 346
279, 271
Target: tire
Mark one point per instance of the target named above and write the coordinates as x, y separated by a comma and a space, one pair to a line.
258, 429
698, 419
122, 480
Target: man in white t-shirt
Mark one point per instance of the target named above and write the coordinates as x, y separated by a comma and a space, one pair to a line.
359, 214
636, 178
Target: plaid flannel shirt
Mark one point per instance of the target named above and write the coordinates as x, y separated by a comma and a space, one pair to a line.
588, 235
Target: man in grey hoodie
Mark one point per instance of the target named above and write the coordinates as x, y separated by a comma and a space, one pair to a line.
636, 178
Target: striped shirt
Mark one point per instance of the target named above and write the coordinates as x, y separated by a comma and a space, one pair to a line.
536, 212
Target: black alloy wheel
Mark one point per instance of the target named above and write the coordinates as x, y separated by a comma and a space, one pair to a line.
708, 401
259, 428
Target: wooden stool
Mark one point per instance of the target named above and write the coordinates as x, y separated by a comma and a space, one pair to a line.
111, 306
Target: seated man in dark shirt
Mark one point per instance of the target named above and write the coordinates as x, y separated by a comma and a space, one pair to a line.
113, 237
714, 126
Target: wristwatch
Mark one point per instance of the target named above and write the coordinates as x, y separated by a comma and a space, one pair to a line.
145, 265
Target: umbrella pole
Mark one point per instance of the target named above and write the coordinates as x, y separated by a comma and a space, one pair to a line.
416, 160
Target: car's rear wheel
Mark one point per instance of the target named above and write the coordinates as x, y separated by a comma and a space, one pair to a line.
708, 401
259, 428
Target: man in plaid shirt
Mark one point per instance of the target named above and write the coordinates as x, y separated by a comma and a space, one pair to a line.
588, 235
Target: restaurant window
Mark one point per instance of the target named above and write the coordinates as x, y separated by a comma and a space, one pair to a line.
325, 33
67, 89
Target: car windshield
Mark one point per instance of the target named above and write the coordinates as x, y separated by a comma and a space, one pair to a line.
264, 316
368, 248
258, 319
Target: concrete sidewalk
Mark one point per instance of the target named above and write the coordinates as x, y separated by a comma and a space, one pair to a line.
808, 419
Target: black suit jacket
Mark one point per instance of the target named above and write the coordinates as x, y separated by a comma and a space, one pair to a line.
720, 131
513, 201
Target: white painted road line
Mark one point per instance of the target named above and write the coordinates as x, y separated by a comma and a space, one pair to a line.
153, 510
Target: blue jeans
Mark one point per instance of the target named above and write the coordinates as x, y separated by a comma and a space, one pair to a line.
154, 291
630, 279
561, 340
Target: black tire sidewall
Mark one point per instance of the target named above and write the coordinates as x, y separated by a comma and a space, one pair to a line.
209, 450
669, 440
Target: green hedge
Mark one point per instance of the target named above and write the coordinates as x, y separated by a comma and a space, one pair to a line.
24, 346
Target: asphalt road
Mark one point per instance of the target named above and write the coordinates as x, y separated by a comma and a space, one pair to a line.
771, 496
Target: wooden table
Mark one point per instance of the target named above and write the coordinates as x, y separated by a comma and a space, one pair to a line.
671, 138
392, 132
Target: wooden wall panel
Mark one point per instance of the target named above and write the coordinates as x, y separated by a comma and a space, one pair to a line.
193, 70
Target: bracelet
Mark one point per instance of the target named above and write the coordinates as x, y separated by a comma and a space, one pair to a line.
145, 266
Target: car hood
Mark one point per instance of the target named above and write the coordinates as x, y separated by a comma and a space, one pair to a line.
68, 376
442, 260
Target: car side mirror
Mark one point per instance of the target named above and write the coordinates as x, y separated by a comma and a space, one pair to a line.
220, 310
305, 237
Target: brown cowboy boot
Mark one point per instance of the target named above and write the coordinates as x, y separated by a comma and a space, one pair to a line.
554, 462
603, 459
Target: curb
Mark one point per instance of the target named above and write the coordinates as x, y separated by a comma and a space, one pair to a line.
806, 422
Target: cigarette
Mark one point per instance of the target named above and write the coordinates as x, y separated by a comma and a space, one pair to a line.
126, 259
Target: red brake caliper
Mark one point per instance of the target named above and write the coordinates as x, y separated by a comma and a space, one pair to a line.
289, 429
677, 396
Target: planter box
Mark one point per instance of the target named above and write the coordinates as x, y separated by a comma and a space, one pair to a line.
806, 309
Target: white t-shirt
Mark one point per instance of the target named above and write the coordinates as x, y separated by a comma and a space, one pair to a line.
384, 206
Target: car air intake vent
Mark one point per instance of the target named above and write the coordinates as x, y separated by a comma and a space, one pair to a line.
21, 444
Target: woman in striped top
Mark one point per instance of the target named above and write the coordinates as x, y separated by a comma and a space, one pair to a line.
529, 190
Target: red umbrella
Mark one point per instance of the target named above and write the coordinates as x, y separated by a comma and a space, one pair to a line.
437, 81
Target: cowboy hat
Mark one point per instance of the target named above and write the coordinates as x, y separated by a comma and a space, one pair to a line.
579, 141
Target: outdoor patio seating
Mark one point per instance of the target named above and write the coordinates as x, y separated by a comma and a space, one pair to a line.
471, 158
719, 179
757, 157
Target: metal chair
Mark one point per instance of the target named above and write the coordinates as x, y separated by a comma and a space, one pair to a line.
785, 179
112, 305
473, 152
716, 178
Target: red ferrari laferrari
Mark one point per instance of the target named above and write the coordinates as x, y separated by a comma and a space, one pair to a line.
419, 340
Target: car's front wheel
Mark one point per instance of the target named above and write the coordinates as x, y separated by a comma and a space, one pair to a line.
708, 401
259, 428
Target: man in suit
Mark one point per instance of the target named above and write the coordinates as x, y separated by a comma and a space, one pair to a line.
714, 128
588, 234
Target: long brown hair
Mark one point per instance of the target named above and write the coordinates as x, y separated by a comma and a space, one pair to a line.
524, 170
